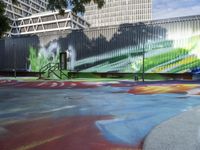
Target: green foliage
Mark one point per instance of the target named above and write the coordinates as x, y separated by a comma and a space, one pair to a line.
78, 6
4, 21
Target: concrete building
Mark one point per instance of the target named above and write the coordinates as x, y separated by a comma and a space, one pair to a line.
31, 17
24, 8
47, 22
116, 12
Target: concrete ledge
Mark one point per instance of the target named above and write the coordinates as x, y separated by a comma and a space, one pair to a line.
20, 73
179, 133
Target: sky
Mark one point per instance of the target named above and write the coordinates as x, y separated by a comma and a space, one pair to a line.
175, 8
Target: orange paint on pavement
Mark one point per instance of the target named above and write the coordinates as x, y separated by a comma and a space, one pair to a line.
160, 89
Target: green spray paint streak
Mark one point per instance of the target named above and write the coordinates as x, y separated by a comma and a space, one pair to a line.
43, 56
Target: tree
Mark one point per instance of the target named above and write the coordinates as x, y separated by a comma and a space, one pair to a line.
4, 21
78, 6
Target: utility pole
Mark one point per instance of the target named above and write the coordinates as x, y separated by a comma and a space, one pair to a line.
143, 53
15, 73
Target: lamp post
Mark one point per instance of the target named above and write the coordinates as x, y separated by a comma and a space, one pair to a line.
15, 64
143, 53
15, 73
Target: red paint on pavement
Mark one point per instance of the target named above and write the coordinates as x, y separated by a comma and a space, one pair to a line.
47, 84
68, 133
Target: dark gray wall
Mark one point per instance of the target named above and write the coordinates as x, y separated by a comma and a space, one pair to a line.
15, 52
2, 50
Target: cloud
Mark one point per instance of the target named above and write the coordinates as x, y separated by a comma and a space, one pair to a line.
174, 8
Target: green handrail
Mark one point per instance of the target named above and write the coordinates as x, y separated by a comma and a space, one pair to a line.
51, 68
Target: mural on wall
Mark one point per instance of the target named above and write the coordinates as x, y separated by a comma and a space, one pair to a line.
92, 51
43, 56
71, 118
169, 46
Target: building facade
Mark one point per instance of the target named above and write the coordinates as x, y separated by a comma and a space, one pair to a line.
24, 8
47, 22
116, 12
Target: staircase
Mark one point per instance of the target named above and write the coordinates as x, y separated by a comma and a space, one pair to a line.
52, 69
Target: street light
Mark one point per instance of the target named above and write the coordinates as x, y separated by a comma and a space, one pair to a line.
143, 53
13, 48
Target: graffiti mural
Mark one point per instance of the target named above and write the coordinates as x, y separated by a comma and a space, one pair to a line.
160, 57
50, 115
44, 56
167, 46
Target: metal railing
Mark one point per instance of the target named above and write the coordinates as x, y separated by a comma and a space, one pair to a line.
51, 68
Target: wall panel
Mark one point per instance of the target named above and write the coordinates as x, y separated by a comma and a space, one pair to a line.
170, 46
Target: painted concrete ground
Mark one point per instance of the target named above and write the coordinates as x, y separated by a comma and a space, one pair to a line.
49, 115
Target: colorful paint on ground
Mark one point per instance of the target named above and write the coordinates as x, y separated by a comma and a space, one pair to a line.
72, 115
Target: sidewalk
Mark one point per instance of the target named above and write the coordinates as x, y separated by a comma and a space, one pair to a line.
179, 133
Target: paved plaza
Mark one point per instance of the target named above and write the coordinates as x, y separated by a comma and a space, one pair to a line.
99, 115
